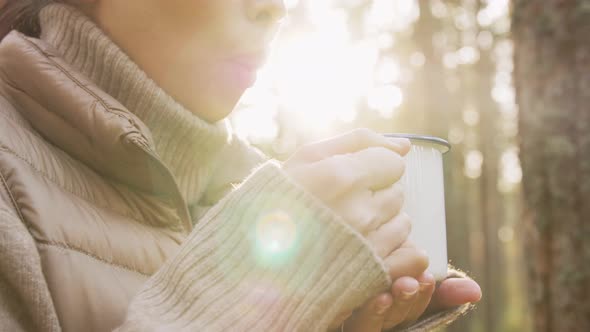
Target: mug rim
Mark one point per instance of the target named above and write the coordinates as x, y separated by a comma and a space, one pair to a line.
443, 145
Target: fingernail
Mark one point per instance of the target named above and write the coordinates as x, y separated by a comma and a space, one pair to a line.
407, 295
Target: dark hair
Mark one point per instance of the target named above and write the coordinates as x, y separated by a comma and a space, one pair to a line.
21, 15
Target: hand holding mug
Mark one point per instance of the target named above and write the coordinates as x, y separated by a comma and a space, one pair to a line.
408, 299
356, 175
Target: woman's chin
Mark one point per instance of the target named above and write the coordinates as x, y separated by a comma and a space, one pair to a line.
215, 99
214, 111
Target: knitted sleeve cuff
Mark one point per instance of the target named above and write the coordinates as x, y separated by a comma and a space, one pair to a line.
267, 257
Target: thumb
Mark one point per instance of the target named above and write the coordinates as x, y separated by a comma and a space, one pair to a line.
370, 317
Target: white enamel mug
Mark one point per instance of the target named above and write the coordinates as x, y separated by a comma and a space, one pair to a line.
424, 202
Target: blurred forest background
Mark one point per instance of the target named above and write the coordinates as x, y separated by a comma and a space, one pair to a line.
442, 68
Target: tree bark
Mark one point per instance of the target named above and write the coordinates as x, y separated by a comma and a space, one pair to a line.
552, 79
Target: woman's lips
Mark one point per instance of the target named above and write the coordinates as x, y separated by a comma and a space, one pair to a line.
242, 70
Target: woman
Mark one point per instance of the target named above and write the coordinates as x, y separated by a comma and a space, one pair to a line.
126, 203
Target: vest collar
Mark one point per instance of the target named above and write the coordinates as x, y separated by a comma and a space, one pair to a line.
84, 121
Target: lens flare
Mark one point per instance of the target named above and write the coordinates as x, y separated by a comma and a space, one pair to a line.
276, 233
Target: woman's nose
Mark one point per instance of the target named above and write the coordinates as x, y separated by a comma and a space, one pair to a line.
266, 12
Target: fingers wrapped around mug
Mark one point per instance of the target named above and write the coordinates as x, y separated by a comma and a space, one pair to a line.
350, 142
361, 187
406, 261
391, 236
404, 291
356, 175
370, 317
410, 299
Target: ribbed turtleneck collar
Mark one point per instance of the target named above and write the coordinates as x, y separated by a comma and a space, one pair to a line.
185, 142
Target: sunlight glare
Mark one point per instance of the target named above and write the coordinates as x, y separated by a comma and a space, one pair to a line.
255, 121
290, 4
320, 79
385, 99
318, 74
255, 124
388, 71
394, 15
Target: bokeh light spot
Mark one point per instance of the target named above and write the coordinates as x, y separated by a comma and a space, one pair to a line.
417, 59
510, 170
473, 164
471, 116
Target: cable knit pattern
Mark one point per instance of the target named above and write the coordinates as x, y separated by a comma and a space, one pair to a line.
185, 142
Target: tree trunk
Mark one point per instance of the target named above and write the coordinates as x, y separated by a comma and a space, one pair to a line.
552, 78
